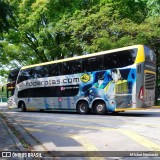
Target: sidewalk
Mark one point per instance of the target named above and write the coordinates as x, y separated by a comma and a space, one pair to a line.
8, 141
3, 104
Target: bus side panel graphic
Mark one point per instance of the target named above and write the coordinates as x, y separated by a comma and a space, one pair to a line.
115, 86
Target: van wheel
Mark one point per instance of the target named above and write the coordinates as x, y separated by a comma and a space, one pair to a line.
100, 108
23, 107
82, 107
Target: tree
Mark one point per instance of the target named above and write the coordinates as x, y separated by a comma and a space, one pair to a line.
153, 7
48, 30
6, 18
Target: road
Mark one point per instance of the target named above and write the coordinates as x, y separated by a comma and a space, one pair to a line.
65, 131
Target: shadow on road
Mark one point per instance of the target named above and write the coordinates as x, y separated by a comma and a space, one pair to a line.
146, 113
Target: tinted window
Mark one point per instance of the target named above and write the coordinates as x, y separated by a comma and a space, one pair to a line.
40, 71
120, 59
13, 75
24, 75
101, 62
54, 91
72, 67
92, 64
55, 69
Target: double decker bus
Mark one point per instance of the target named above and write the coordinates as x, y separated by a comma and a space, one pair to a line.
109, 81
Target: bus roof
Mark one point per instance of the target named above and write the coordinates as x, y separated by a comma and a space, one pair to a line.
82, 56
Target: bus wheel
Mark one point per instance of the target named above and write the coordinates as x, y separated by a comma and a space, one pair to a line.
23, 107
82, 107
100, 107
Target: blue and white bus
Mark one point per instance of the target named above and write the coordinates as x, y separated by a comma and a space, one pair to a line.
109, 81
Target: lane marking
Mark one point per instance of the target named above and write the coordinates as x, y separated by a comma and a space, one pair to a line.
134, 136
116, 122
36, 130
140, 139
88, 147
86, 144
65, 125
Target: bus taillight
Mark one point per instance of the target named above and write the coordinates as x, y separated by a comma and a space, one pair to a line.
141, 93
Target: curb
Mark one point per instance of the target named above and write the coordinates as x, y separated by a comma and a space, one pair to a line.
31, 141
15, 139
3, 104
155, 107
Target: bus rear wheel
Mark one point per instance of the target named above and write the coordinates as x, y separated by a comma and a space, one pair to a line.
23, 107
82, 107
100, 108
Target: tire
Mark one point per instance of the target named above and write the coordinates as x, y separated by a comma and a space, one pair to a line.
23, 107
100, 108
83, 107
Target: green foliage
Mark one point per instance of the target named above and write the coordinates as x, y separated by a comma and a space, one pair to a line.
153, 7
131, 9
6, 18
44, 30
3, 89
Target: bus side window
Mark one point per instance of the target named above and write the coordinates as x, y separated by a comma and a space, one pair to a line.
119, 59
67, 69
44, 71
51, 70
38, 72
99, 62
92, 64
58, 70
72, 67
77, 66
86, 65
54, 69
23, 76
32, 74
108, 64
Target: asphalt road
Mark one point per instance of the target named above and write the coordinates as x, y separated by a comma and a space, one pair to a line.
65, 131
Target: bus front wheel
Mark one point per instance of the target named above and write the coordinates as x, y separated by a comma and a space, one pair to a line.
82, 107
100, 107
23, 107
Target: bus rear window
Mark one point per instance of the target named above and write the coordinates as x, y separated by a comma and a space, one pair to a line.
120, 59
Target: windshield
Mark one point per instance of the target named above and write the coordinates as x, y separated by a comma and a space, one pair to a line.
13, 75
